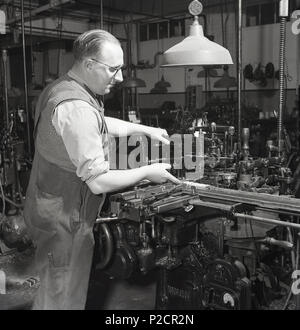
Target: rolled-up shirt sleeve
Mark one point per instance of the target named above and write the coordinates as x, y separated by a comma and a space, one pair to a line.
79, 124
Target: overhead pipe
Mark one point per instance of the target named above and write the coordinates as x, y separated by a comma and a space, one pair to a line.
42, 29
36, 31
25, 17
121, 10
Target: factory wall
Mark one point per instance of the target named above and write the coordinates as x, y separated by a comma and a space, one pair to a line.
260, 45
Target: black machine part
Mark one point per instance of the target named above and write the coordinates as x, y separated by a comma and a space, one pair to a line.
226, 286
117, 258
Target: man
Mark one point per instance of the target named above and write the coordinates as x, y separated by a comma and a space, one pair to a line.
70, 173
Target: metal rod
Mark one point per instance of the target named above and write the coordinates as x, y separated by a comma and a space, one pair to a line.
101, 14
216, 205
290, 239
281, 204
25, 82
4, 59
275, 222
13, 203
281, 81
37, 31
31, 44
123, 103
106, 219
52, 32
239, 72
51, 5
228, 208
297, 265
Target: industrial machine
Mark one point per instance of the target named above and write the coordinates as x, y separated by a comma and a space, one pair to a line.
228, 240
216, 248
18, 283
14, 164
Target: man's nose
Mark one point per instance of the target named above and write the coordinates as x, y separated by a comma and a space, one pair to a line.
119, 76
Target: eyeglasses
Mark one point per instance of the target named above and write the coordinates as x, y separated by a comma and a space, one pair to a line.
112, 69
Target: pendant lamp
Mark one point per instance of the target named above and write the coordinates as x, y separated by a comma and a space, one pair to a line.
133, 82
196, 49
225, 81
161, 86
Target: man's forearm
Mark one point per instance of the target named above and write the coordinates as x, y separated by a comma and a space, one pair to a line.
118, 127
117, 179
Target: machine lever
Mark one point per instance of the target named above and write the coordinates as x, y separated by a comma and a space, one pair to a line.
106, 219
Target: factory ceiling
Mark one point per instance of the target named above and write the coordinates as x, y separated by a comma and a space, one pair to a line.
140, 9
107, 11
151, 8
154, 8
114, 11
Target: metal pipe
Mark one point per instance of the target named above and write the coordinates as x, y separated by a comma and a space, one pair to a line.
228, 208
31, 45
51, 5
137, 34
281, 82
297, 265
275, 222
297, 251
216, 205
13, 203
123, 104
279, 204
4, 60
106, 219
283, 17
290, 239
37, 31
239, 72
40, 31
25, 81
122, 11
101, 14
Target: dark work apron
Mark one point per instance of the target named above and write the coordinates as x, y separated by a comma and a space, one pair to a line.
60, 211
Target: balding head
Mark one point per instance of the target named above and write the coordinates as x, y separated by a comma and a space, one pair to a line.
91, 43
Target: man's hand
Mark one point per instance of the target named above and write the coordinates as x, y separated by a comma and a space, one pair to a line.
158, 173
158, 134
118, 127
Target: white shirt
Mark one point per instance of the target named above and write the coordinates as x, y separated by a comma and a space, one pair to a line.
77, 122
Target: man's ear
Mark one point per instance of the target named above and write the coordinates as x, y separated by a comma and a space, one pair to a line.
88, 64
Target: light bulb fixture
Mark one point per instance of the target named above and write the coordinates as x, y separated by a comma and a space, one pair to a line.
162, 83
196, 49
161, 86
133, 82
209, 71
225, 81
